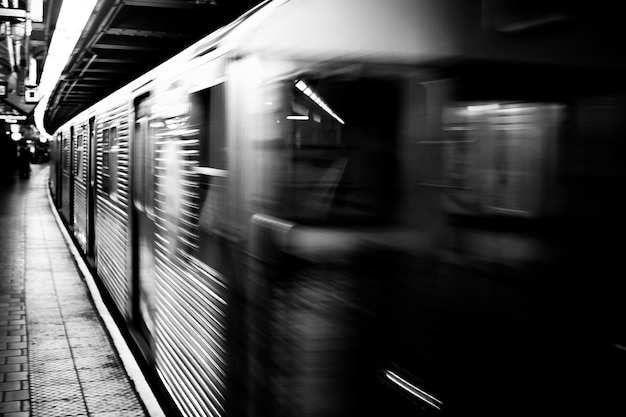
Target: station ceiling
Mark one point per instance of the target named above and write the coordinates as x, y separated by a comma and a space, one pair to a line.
121, 40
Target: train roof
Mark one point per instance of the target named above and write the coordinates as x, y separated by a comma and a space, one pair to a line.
421, 31
409, 31
395, 31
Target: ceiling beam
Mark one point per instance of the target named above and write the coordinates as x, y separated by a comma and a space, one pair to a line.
169, 4
86, 101
115, 61
89, 85
89, 79
95, 71
143, 33
120, 47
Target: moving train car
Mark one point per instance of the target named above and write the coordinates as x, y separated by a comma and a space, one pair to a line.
335, 208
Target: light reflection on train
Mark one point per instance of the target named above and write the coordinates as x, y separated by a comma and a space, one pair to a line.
343, 235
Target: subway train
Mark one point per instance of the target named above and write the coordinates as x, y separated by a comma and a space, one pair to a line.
337, 208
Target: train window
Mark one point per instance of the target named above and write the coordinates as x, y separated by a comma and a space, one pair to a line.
80, 146
65, 145
343, 143
150, 131
105, 161
213, 150
144, 163
208, 113
498, 157
110, 149
113, 151
149, 144
59, 152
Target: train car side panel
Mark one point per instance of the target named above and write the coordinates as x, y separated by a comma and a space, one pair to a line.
80, 187
112, 223
191, 250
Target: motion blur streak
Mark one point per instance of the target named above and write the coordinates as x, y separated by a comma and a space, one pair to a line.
413, 390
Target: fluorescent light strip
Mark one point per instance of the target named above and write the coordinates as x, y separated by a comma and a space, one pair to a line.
308, 91
483, 107
297, 117
9, 117
413, 390
73, 17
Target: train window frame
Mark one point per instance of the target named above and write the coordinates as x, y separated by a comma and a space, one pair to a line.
143, 153
113, 162
213, 172
105, 161
304, 104
110, 149
484, 179
59, 153
80, 154
65, 154
144, 162
149, 171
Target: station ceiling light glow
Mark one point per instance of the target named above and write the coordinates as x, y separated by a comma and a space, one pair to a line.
308, 91
73, 17
298, 117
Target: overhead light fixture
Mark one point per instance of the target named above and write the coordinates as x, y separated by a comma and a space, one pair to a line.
36, 10
12, 118
308, 91
73, 17
483, 107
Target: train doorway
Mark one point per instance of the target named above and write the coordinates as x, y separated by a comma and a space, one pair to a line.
67, 178
70, 218
143, 279
91, 191
58, 167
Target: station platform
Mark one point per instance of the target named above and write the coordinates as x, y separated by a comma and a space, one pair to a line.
57, 355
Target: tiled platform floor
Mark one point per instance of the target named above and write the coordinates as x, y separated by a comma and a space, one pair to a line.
56, 358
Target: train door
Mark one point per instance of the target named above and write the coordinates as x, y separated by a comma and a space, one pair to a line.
72, 145
91, 190
58, 163
338, 193
66, 178
142, 214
